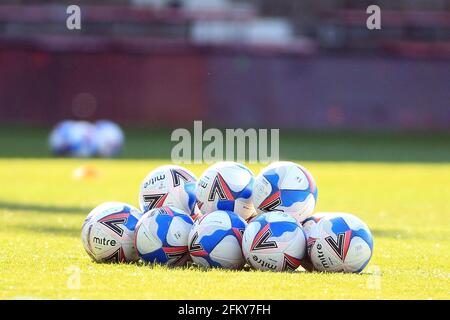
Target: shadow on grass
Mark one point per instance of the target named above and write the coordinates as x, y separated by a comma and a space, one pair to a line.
72, 232
14, 206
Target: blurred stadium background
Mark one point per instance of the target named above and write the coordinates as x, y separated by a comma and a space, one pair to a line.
308, 65
368, 112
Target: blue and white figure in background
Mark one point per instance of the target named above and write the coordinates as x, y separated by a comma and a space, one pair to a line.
215, 240
162, 236
226, 186
109, 138
274, 241
73, 139
338, 242
108, 232
169, 185
287, 187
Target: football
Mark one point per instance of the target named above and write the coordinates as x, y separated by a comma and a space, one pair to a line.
287, 187
109, 138
161, 236
309, 226
338, 242
215, 240
59, 139
226, 186
169, 185
108, 231
274, 241
73, 139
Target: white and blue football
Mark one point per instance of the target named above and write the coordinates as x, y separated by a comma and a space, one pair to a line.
169, 185
161, 236
274, 241
73, 139
287, 187
59, 139
109, 138
226, 186
215, 240
108, 232
338, 242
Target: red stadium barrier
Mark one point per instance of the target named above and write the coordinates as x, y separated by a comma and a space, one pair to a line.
172, 84
119, 13
391, 18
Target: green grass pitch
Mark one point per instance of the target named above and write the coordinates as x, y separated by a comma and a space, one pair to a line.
405, 203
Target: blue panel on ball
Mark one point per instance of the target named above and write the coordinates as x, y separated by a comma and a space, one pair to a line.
190, 190
155, 256
338, 225
163, 221
280, 227
131, 222
209, 242
226, 205
236, 221
273, 178
289, 197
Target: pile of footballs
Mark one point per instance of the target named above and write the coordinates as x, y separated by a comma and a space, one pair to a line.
82, 139
229, 218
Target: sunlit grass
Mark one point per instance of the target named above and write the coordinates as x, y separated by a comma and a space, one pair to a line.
42, 208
